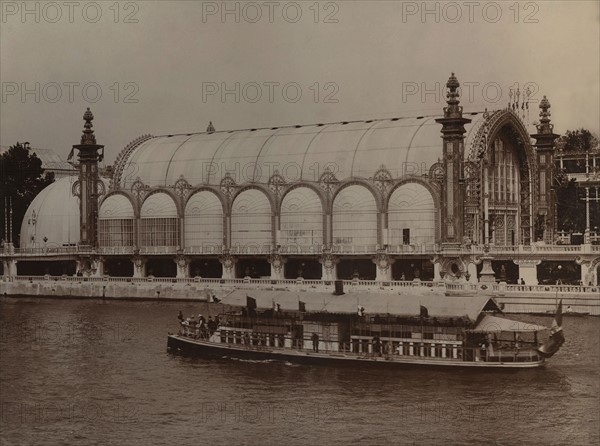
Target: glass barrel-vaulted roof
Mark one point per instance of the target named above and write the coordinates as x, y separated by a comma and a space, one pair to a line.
354, 149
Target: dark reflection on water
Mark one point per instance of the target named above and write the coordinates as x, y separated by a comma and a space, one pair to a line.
94, 373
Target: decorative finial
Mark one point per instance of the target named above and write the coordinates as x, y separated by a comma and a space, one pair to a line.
452, 86
544, 126
453, 109
88, 137
544, 105
210, 128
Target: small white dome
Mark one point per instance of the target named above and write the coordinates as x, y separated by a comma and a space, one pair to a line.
53, 215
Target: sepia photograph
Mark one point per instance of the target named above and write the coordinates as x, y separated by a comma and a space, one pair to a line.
264, 223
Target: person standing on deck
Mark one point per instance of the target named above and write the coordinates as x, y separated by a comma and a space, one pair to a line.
315, 342
377, 345
490, 345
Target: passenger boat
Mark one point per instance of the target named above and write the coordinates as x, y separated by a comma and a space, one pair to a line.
566, 312
391, 330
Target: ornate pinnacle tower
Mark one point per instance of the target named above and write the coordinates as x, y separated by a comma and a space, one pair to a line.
545, 136
544, 148
89, 154
453, 130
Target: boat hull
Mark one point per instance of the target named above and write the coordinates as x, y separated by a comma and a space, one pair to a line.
199, 348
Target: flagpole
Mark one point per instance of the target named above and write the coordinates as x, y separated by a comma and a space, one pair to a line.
389, 347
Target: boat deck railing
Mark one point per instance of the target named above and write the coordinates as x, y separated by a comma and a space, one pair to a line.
391, 349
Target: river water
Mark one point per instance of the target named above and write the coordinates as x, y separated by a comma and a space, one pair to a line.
80, 372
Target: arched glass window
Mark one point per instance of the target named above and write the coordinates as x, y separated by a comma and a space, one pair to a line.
115, 222
251, 223
159, 225
203, 223
503, 175
411, 216
355, 220
503, 186
302, 221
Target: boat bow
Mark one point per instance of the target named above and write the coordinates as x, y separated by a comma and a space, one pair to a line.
557, 337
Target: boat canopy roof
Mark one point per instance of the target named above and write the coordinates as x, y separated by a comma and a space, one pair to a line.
494, 324
373, 303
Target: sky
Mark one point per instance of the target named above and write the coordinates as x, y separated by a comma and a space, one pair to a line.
167, 67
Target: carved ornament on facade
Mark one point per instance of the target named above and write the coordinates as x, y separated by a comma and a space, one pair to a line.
138, 261
510, 221
228, 185
469, 222
276, 183
101, 188
587, 260
227, 260
383, 261
437, 173
181, 261
328, 181
448, 262
182, 187
382, 179
499, 221
276, 261
527, 262
76, 189
328, 260
139, 189
90, 264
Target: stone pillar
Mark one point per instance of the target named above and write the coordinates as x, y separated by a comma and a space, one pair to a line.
453, 130
329, 262
585, 273
384, 267
528, 270
328, 237
183, 266
593, 273
277, 262
139, 266
92, 266
544, 148
10, 267
437, 268
79, 266
589, 270
88, 187
228, 262
487, 274
97, 266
